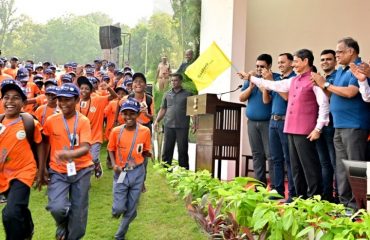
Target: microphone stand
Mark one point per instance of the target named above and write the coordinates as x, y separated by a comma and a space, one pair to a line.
239, 87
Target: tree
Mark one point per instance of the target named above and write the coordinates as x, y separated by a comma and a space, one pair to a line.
187, 15
8, 21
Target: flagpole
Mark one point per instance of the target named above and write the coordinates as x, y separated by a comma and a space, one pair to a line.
234, 67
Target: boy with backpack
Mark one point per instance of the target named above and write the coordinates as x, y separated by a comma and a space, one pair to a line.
18, 133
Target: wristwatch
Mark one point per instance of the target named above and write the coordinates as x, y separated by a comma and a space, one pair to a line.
326, 85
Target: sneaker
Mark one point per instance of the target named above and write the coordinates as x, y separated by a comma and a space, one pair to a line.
143, 190
61, 232
98, 170
2, 199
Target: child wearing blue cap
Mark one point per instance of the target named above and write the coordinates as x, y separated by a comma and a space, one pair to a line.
68, 136
128, 145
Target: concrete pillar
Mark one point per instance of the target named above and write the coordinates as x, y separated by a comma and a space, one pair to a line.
225, 21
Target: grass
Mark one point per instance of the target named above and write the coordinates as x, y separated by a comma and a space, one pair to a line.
161, 214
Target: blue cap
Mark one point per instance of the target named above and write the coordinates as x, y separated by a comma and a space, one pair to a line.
139, 75
48, 71
122, 87
128, 73
66, 78
38, 76
22, 74
111, 64
127, 81
74, 65
85, 80
52, 90
130, 104
29, 66
52, 67
68, 90
11, 84
89, 71
105, 77
51, 81
93, 80
38, 80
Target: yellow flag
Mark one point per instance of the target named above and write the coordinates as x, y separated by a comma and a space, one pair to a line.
208, 66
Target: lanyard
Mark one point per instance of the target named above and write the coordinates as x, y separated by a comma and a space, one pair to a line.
15, 121
71, 138
129, 158
43, 117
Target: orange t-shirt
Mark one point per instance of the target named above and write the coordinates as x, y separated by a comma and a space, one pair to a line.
31, 90
94, 110
110, 113
16, 157
5, 76
101, 92
12, 72
41, 99
2, 110
54, 128
43, 112
142, 118
142, 143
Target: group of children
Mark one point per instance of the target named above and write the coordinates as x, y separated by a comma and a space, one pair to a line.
66, 144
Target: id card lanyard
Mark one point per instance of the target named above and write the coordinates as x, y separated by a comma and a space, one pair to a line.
129, 157
71, 137
71, 167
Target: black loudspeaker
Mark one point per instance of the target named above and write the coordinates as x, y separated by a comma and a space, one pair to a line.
109, 37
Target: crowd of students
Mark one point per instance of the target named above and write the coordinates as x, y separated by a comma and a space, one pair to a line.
60, 145
309, 122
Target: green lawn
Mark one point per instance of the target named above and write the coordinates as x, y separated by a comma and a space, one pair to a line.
161, 214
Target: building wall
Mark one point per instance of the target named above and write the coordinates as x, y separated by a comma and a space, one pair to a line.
288, 25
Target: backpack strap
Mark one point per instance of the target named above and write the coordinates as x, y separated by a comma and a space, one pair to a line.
29, 126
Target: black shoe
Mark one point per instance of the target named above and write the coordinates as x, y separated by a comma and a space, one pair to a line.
98, 170
61, 232
2, 198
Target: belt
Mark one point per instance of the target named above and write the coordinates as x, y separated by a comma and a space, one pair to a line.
130, 168
277, 118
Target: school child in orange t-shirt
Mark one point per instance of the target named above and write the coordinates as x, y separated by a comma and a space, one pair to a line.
29, 88
110, 113
128, 145
3, 75
50, 108
68, 136
93, 108
17, 163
